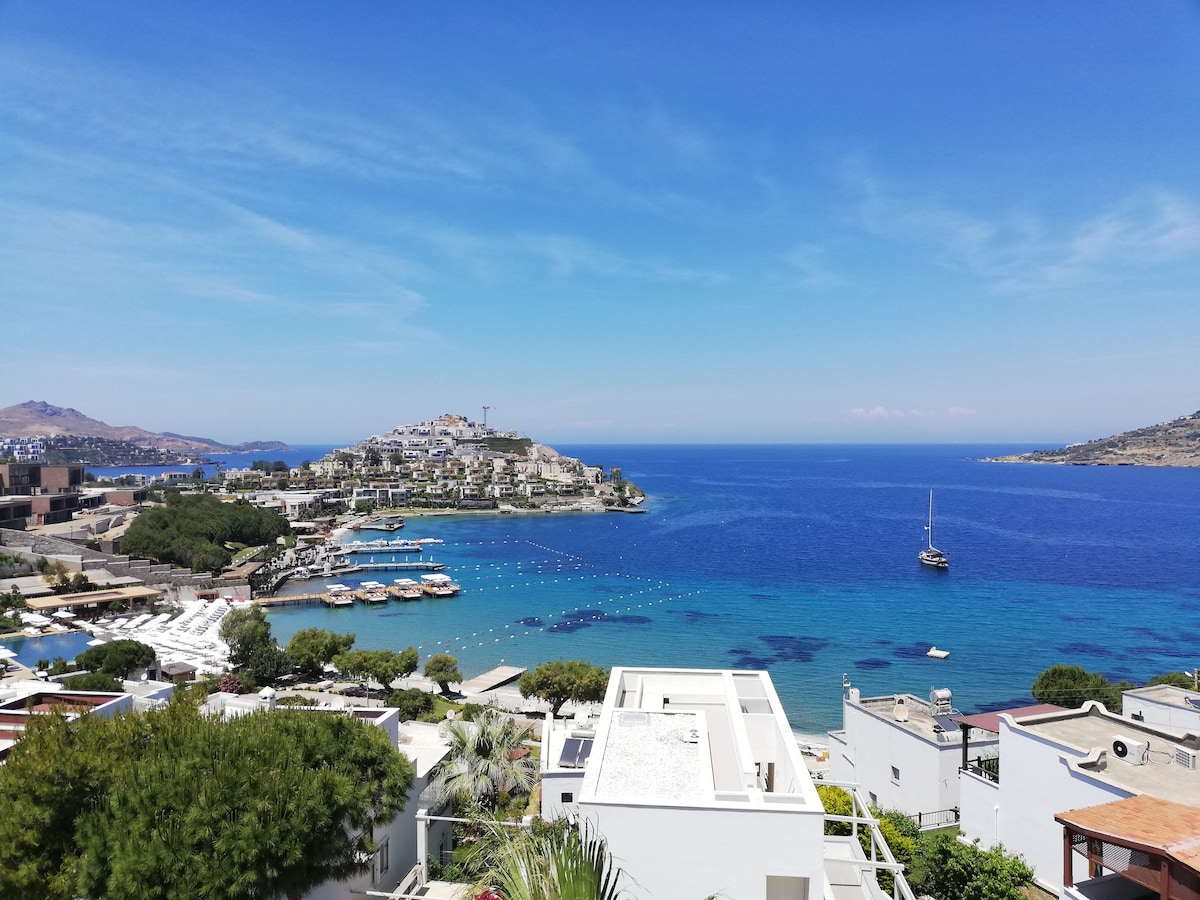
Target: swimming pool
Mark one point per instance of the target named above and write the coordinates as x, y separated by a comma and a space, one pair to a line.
48, 646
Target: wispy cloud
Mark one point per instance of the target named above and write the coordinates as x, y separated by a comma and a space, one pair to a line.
1030, 252
808, 268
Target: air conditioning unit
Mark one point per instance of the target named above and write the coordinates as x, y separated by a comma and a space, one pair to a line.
1133, 752
1185, 757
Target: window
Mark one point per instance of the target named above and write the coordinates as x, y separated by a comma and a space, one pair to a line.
383, 857
874, 798
568, 798
895, 775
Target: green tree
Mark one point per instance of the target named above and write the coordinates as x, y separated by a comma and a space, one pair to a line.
171, 804
80, 583
443, 668
245, 631
947, 869
56, 575
311, 648
412, 703
1072, 686
267, 664
1176, 679
483, 763
381, 666
562, 680
94, 681
116, 659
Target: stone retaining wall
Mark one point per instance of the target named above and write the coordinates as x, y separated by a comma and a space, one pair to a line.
31, 546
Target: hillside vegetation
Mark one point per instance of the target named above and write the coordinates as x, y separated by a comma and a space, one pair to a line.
1174, 443
192, 530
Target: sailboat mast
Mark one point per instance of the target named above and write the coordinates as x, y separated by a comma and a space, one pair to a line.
929, 527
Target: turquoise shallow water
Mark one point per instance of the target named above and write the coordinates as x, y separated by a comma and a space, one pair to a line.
802, 560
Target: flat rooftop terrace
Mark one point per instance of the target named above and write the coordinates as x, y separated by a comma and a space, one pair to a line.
1169, 695
669, 736
919, 719
1159, 776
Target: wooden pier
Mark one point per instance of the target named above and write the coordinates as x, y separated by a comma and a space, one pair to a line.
414, 566
490, 680
299, 600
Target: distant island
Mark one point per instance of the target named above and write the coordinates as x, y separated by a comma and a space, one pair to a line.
1174, 443
59, 435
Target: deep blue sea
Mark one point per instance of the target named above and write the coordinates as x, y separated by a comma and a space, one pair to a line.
803, 560
292, 457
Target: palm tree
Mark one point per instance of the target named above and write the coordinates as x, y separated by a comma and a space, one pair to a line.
551, 863
485, 760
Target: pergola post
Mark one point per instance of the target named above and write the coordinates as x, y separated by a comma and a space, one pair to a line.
1068, 861
1164, 888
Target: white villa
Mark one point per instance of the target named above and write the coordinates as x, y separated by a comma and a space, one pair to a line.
1058, 764
695, 779
1102, 807
1163, 704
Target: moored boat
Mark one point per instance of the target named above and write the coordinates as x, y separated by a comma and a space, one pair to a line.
931, 555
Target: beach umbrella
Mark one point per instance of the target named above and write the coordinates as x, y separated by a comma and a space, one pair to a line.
96, 642
5, 653
63, 614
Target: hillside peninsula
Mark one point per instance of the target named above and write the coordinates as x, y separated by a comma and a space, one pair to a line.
1175, 443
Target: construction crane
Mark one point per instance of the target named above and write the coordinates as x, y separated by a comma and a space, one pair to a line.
485, 411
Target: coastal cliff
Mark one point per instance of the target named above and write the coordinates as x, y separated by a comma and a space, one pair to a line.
1175, 443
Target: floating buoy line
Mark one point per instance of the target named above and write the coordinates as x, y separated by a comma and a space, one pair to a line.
524, 569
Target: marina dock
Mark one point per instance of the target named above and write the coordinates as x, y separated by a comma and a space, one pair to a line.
404, 566
297, 600
492, 679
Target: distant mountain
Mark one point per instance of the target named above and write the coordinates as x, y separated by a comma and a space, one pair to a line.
41, 418
1174, 443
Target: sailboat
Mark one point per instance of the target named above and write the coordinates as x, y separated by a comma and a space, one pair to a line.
931, 555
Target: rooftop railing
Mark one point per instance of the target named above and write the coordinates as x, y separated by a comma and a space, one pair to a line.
881, 857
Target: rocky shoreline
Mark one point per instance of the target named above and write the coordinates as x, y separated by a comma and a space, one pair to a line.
1169, 444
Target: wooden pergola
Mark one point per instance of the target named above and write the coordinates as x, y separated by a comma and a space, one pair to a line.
1152, 842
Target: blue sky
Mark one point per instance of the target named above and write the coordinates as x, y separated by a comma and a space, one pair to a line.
670, 222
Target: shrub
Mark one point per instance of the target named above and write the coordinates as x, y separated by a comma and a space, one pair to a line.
412, 703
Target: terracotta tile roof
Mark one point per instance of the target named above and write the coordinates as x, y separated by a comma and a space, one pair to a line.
1147, 823
990, 721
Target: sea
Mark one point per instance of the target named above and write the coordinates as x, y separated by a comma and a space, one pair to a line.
802, 560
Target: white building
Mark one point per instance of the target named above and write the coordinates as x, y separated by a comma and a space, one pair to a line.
1055, 763
1163, 704
695, 780
904, 752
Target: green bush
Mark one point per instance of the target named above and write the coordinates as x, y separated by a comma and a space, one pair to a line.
947, 869
412, 703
